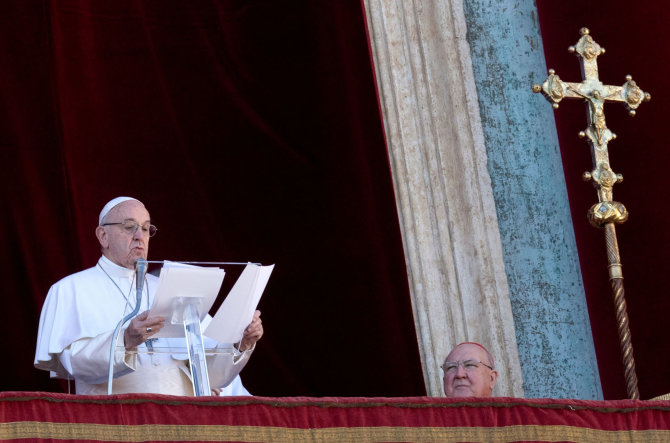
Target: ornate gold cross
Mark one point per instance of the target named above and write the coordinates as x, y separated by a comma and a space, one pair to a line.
606, 212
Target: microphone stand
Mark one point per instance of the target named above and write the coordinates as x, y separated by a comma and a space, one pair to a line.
140, 270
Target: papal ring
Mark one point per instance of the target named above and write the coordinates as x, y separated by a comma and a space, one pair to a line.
148, 329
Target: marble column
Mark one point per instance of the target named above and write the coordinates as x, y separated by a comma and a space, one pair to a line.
443, 190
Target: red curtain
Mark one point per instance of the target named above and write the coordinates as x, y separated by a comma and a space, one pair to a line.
635, 36
251, 131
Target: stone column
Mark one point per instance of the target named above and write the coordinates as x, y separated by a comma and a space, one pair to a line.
550, 314
443, 189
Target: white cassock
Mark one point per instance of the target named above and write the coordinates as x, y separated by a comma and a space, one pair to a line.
75, 333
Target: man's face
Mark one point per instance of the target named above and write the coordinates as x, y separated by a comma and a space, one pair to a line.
118, 245
469, 382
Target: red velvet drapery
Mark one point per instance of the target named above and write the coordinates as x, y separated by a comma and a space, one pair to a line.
251, 131
41, 416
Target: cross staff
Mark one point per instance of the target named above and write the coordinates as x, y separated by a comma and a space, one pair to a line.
606, 212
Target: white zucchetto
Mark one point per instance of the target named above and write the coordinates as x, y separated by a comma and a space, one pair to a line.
111, 204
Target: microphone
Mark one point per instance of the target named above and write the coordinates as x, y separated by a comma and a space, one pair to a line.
141, 266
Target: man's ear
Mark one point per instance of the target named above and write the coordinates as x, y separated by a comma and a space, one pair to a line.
101, 234
494, 378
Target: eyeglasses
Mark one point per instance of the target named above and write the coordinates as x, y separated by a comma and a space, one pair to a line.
450, 367
130, 227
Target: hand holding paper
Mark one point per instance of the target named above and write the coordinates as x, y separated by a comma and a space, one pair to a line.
180, 283
237, 310
252, 333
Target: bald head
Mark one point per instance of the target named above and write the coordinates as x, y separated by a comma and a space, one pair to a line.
469, 371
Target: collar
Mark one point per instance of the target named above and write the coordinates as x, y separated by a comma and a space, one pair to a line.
115, 270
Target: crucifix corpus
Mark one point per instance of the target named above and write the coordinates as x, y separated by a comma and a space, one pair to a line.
606, 213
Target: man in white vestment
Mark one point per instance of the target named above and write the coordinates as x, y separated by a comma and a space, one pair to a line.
82, 310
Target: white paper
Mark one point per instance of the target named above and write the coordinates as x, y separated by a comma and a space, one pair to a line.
237, 310
179, 284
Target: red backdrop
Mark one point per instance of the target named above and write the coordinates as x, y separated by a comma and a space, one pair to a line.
635, 36
251, 131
